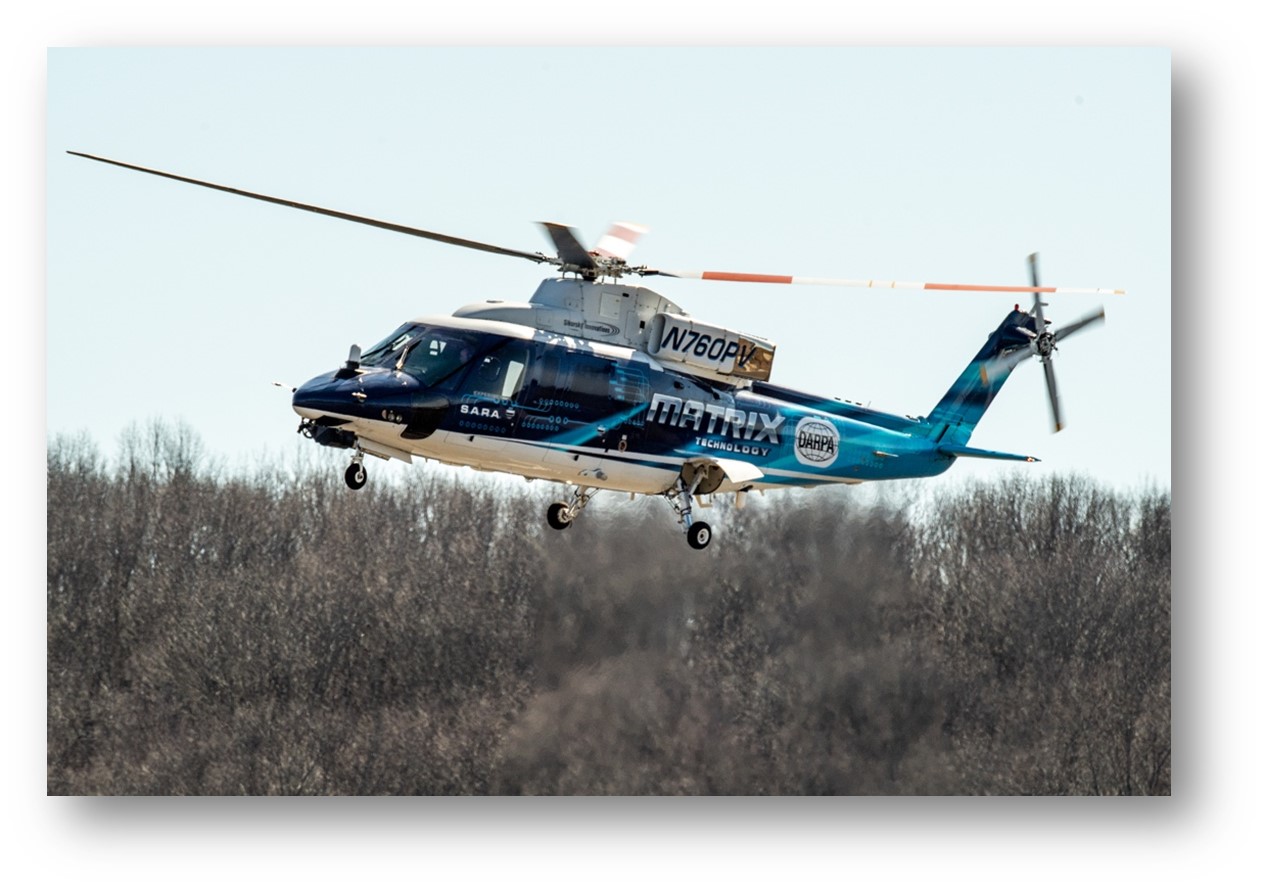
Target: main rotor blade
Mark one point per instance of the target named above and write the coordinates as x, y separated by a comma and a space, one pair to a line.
338, 214
1056, 414
620, 240
570, 250
867, 283
1073, 327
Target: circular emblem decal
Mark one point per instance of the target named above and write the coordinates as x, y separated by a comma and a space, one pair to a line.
817, 442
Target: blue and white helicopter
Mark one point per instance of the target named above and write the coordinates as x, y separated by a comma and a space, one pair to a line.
600, 384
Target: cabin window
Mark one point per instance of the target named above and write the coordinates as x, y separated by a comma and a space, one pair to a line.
590, 376
500, 373
629, 384
546, 369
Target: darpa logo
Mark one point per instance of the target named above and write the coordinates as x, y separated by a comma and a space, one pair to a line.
817, 442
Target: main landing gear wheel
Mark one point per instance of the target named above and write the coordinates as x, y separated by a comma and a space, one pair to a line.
558, 515
562, 513
355, 476
680, 497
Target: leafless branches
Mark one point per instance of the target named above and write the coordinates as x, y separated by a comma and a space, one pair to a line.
214, 634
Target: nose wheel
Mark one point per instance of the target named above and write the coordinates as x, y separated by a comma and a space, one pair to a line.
355, 476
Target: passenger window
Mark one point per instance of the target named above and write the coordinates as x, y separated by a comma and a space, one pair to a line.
501, 373
590, 376
629, 384
546, 370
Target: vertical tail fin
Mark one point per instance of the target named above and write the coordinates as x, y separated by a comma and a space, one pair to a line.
962, 407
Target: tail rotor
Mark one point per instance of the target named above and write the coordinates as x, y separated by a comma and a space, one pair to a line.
1043, 344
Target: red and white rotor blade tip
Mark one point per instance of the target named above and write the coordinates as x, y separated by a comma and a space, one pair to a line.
878, 284
620, 240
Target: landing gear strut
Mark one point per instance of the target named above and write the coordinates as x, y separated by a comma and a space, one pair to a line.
680, 497
561, 514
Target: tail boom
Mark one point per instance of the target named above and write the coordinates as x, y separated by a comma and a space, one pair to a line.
964, 404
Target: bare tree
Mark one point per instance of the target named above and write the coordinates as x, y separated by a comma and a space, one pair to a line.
275, 633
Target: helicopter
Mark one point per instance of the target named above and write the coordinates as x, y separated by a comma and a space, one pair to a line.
600, 384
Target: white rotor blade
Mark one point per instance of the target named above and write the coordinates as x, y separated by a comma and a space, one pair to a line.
872, 283
620, 240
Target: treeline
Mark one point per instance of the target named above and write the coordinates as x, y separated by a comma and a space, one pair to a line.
212, 633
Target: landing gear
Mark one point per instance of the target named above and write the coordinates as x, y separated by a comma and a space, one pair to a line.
355, 476
560, 515
699, 534
680, 497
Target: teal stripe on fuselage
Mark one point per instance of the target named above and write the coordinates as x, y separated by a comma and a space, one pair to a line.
593, 430
838, 408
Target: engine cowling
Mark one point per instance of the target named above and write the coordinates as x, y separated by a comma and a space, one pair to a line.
709, 350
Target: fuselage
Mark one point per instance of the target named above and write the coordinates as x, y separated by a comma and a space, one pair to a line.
504, 397
608, 385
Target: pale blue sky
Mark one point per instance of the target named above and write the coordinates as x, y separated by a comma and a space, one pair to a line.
918, 164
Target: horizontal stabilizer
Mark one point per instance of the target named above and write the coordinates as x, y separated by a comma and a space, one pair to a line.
961, 451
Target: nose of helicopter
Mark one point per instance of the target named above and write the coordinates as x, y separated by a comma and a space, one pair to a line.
376, 396
323, 395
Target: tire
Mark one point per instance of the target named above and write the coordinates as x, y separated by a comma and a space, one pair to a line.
355, 477
555, 515
699, 534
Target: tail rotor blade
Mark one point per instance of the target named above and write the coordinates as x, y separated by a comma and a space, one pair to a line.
1057, 415
1037, 297
997, 368
1093, 318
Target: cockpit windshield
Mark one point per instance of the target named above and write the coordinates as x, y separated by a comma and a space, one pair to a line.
438, 352
429, 353
387, 351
